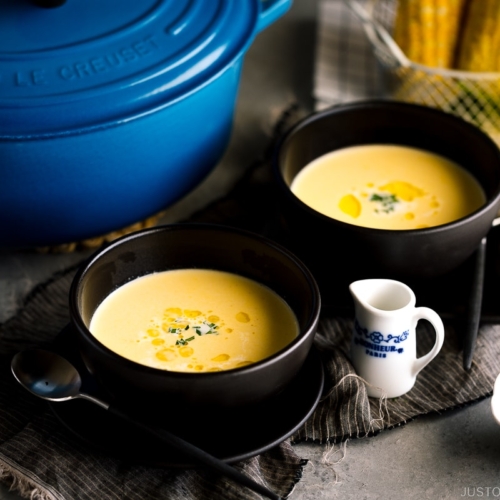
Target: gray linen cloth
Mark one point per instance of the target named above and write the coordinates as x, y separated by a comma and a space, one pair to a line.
42, 460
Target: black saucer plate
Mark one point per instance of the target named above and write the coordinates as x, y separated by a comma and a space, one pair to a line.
231, 435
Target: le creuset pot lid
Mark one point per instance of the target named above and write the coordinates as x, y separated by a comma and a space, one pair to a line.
92, 62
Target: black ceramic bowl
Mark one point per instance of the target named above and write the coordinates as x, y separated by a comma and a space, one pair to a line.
194, 246
328, 245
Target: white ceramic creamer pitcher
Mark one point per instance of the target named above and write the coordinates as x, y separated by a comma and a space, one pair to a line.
383, 346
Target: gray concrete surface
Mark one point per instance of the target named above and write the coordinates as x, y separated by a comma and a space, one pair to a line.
450, 456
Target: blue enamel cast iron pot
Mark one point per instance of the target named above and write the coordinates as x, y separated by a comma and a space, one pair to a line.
112, 110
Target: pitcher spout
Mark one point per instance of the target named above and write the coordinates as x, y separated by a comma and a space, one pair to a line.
382, 294
358, 292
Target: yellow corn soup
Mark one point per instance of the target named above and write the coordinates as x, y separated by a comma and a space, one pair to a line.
194, 320
388, 187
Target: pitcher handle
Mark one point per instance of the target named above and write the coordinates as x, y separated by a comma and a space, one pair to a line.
437, 323
271, 10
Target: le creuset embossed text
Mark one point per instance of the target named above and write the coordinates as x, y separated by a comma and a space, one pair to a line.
112, 110
384, 346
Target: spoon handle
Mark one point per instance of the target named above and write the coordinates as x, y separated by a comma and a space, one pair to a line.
197, 454
474, 306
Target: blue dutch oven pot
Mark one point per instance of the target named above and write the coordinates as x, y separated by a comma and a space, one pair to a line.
111, 110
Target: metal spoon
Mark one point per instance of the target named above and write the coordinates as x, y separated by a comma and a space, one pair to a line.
474, 305
52, 377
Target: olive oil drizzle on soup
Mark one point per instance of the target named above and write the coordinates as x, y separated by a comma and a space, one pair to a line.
194, 320
388, 187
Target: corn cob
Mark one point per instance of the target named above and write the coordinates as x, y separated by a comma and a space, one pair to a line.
479, 49
408, 29
426, 14
427, 30
448, 21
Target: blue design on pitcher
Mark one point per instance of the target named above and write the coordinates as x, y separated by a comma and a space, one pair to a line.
378, 337
377, 350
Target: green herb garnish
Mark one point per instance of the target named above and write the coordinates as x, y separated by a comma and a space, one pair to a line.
206, 328
171, 329
387, 202
184, 341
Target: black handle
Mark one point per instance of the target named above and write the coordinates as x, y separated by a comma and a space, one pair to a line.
197, 454
474, 305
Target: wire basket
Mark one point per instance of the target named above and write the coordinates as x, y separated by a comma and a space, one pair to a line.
472, 96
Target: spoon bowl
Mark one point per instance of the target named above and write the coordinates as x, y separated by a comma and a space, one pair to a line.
46, 375
49, 376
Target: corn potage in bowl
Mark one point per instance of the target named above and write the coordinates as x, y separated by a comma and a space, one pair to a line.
194, 320
198, 314
381, 188
387, 186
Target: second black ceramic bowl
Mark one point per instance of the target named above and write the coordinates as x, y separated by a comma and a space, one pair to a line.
328, 245
194, 246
